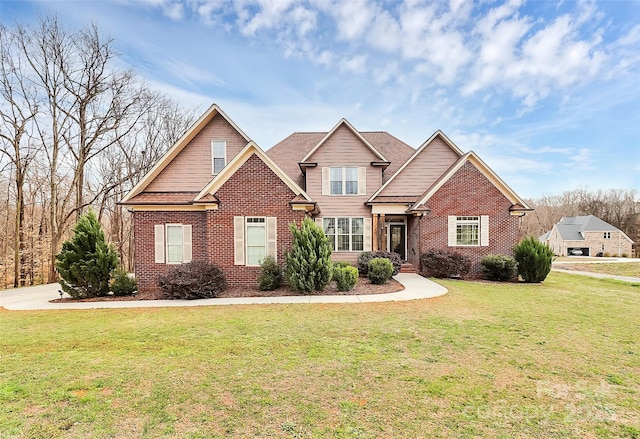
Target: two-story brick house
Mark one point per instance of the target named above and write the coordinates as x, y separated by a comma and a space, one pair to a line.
216, 196
587, 235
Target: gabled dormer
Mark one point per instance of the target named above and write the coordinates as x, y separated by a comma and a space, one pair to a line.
343, 166
192, 162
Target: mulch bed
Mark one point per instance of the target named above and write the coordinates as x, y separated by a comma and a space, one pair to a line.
363, 286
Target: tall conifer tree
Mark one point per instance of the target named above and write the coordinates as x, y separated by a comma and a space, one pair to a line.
86, 260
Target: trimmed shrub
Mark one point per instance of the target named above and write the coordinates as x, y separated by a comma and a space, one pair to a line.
444, 264
380, 270
534, 259
499, 267
345, 276
624, 255
195, 280
607, 255
122, 284
86, 260
309, 260
365, 257
270, 276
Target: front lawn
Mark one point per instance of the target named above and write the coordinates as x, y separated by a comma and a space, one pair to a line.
561, 359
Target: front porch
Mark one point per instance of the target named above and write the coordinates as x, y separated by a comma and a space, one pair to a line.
398, 233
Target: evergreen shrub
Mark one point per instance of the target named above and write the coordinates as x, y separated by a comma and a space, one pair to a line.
380, 270
86, 260
534, 259
122, 284
309, 260
365, 257
345, 276
270, 276
499, 267
195, 280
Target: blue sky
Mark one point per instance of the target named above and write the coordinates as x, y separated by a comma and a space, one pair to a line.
546, 92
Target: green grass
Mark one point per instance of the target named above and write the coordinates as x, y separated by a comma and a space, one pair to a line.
561, 359
615, 268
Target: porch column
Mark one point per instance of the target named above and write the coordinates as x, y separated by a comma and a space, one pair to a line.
374, 228
383, 234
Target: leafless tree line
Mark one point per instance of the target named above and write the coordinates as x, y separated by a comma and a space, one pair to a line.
618, 207
76, 130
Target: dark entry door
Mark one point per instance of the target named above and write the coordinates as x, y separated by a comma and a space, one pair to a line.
397, 239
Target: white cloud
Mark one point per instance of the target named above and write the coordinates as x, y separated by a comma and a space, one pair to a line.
355, 64
352, 17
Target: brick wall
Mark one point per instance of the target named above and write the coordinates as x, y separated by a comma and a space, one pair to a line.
254, 190
469, 193
146, 269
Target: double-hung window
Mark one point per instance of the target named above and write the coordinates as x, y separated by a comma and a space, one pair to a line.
256, 240
344, 181
607, 235
172, 243
345, 234
218, 155
468, 231
254, 237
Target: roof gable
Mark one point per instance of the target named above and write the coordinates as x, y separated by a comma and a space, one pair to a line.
240, 159
344, 123
411, 162
179, 146
518, 204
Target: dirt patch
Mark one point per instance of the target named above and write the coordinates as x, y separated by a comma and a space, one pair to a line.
363, 286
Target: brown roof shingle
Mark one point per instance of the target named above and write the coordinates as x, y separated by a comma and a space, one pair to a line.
288, 152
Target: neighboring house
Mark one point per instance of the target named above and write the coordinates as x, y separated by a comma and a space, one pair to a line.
216, 196
586, 236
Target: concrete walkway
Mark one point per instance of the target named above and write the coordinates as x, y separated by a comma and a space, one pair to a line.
37, 298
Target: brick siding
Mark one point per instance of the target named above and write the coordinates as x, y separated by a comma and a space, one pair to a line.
253, 190
467, 193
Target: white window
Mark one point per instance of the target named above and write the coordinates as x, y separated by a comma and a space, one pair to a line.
345, 234
344, 181
347, 180
218, 155
256, 240
468, 231
173, 243
607, 235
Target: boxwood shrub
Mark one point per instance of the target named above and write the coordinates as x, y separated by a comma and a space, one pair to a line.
365, 257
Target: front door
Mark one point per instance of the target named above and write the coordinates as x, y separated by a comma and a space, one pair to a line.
397, 239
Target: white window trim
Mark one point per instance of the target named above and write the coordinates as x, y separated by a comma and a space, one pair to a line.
162, 243
246, 238
336, 234
361, 175
239, 238
213, 157
483, 230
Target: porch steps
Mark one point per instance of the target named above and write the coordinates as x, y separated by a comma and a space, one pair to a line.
406, 267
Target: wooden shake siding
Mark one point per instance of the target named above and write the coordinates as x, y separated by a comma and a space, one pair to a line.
343, 148
191, 170
426, 168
